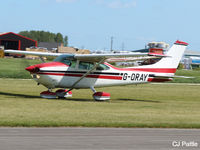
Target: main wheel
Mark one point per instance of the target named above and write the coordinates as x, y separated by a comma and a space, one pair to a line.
101, 96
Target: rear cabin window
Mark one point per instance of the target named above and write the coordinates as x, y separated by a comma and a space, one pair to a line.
102, 67
85, 65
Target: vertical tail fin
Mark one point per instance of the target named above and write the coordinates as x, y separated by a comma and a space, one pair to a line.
175, 54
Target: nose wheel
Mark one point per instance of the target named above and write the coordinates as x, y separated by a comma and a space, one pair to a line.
48, 94
62, 93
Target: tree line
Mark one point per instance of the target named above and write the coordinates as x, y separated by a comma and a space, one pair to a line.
45, 36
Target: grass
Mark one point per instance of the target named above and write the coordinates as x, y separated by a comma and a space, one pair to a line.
165, 105
195, 74
15, 67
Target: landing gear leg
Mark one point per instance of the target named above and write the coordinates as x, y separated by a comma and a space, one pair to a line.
50, 89
100, 96
93, 90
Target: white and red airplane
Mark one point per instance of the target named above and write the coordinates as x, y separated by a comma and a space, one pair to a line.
76, 71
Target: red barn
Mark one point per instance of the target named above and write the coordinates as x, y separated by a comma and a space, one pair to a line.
15, 41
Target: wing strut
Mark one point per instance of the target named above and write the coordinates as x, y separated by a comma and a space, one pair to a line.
95, 66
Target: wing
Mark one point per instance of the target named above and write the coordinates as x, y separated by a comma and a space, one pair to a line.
92, 57
31, 53
98, 57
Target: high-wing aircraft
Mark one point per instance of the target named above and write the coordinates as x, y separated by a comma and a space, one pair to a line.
77, 71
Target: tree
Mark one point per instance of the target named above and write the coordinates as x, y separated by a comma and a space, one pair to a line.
65, 41
59, 38
43, 36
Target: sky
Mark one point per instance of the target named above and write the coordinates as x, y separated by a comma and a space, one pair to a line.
90, 24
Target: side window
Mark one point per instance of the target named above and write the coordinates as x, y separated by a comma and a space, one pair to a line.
102, 67
73, 64
85, 65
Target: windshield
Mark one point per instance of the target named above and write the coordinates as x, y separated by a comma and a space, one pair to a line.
66, 59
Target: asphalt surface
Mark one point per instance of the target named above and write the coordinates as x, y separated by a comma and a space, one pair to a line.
98, 139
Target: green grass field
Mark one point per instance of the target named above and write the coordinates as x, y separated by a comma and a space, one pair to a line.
15, 67
160, 105
195, 74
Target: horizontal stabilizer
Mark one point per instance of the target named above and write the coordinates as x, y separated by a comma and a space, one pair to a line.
183, 77
170, 76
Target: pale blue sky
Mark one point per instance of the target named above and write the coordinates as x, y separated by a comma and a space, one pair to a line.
91, 23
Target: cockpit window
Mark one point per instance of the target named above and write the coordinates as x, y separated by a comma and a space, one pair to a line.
102, 67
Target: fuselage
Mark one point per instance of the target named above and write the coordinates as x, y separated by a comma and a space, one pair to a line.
60, 74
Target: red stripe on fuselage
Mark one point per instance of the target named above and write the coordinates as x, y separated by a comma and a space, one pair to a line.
157, 70
80, 75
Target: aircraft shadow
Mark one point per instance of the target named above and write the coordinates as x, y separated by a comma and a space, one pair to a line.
76, 99
30, 96
18, 95
150, 101
73, 99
